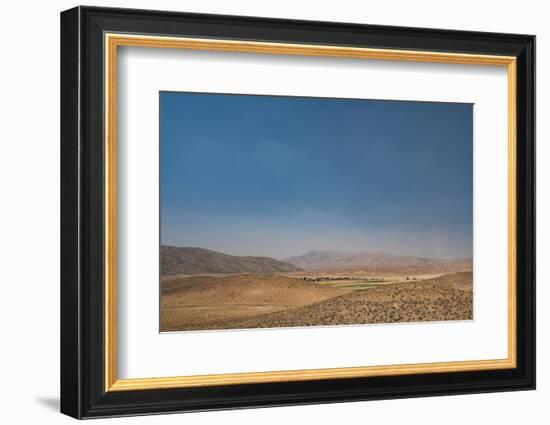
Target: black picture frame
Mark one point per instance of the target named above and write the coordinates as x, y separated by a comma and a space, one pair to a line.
83, 392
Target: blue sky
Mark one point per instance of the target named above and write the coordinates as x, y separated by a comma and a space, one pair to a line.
279, 176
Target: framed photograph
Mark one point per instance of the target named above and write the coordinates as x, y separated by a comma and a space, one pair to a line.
261, 212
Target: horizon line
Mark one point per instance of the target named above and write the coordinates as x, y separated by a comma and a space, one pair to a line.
323, 250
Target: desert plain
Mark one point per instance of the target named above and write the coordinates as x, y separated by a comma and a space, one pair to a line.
206, 290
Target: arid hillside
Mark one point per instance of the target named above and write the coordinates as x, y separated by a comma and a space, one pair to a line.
208, 302
448, 297
271, 300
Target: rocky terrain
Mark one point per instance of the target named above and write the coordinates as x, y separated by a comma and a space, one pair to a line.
447, 297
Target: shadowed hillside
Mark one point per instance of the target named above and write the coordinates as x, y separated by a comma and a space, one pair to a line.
176, 260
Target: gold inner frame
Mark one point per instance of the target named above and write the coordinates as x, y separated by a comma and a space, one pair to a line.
113, 41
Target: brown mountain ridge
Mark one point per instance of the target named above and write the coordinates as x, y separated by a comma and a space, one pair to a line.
190, 260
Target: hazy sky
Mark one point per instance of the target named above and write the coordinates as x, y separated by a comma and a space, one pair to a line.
279, 176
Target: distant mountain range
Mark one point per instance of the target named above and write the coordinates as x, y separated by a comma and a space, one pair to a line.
191, 260
188, 260
326, 259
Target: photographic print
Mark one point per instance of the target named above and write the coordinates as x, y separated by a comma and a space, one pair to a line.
283, 211
261, 184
